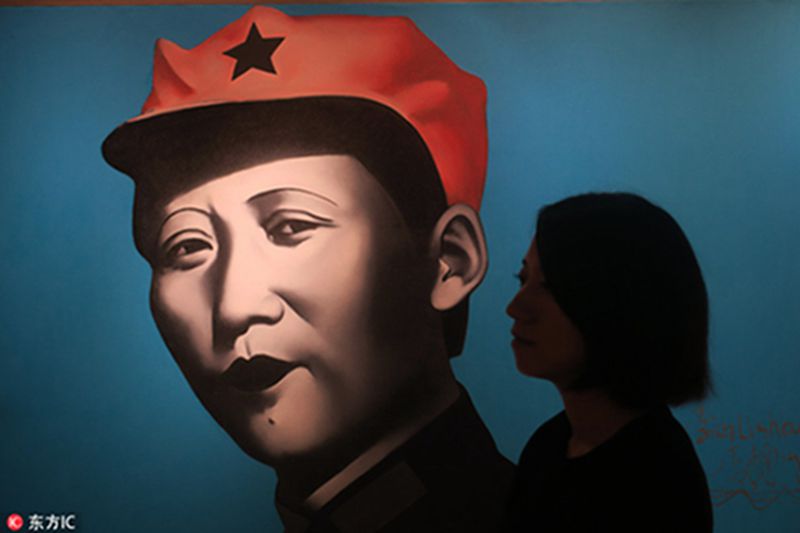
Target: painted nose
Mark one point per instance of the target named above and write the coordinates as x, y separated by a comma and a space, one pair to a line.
245, 294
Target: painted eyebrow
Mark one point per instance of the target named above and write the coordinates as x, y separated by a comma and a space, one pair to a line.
291, 189
181, 210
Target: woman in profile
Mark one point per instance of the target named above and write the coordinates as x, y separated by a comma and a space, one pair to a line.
612, 309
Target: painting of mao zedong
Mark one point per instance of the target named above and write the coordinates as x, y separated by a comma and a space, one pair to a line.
306, 195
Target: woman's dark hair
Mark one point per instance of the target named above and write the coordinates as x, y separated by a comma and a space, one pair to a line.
625, 274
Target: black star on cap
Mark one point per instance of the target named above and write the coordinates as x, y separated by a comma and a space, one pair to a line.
254, 52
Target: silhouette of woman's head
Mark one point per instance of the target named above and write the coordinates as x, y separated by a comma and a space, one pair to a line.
625, 275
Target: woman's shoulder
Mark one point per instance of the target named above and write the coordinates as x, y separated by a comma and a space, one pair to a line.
658, 429
660, 469
655, 449
656, 435
648, 470
548, 441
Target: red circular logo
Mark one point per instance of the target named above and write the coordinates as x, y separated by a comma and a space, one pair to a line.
14, 522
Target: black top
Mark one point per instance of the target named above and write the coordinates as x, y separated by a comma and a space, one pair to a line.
647, 477
449, 477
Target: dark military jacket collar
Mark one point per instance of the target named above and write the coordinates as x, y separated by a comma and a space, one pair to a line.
450, 470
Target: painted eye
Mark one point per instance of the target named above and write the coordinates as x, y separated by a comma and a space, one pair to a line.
292, 227
189, 247
289, 228
186, 254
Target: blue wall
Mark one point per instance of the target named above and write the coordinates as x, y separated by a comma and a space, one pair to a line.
695, 105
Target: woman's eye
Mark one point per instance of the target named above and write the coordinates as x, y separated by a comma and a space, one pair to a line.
186, 253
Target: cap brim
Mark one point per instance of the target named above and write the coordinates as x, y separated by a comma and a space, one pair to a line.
168, 153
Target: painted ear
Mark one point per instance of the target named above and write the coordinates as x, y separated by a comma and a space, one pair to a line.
460, 246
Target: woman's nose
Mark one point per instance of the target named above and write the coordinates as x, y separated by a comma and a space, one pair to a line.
513, 308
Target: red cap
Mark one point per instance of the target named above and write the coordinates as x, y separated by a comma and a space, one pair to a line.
267, 55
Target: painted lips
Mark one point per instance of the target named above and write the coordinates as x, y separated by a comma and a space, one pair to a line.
257, 373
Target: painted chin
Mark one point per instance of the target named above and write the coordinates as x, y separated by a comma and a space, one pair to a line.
257, 419
257, 393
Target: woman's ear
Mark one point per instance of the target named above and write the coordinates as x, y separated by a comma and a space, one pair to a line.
459, 245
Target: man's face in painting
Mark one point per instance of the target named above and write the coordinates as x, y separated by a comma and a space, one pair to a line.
292, 297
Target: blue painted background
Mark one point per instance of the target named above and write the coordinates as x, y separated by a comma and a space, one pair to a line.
695, 105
